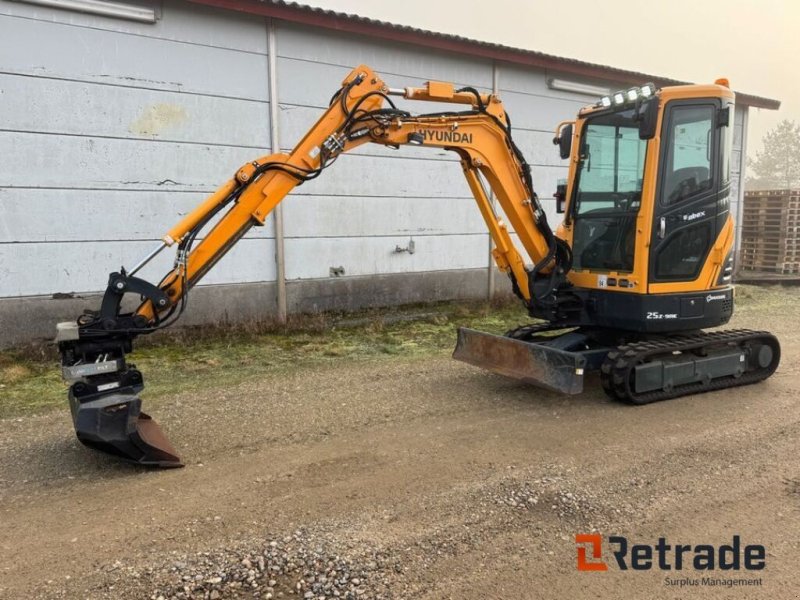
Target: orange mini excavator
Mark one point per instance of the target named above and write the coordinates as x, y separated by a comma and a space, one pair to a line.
640, 266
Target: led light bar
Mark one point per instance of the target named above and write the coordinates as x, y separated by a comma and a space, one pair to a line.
622, 97
131, 12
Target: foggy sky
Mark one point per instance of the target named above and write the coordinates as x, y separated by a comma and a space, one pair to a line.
755, 44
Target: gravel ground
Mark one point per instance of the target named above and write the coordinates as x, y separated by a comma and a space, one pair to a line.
406, 479
303, 564
318, 565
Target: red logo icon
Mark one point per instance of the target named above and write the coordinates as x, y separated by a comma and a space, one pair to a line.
585, 540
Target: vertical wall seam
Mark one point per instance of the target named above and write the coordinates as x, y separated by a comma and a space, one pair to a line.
491, 284
277, 213
737, 231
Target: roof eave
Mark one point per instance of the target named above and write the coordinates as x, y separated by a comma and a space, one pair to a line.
364, 26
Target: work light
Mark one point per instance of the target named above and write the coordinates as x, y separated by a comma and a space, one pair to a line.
629, 96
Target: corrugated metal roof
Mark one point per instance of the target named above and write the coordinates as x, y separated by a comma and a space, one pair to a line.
311, 15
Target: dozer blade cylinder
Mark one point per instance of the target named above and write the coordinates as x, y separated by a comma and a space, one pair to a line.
537, 364
112, 421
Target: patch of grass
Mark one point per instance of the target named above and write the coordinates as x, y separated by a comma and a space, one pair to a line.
761, 297
197, 358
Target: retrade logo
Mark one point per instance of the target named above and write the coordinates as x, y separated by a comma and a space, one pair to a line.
667, 557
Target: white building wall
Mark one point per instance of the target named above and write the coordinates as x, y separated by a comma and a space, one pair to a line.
110, 131
374, 199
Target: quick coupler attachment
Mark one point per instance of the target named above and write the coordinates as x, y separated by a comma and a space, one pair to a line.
107, 414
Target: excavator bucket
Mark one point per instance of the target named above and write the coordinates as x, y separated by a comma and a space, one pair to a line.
112, 421
532, 362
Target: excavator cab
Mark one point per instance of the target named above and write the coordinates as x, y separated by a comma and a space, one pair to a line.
647, 205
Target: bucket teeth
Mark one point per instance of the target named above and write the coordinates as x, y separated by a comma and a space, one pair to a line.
110, 419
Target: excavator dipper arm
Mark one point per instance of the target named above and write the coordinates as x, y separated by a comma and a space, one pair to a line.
104, 396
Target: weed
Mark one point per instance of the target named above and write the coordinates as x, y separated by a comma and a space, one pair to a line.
198, 358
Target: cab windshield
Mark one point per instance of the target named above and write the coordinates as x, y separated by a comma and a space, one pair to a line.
611, 167
609, 193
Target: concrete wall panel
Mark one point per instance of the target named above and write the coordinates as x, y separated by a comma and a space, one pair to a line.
192, 24
107, 57
53, 106
44, 160
44, 269
313, 258
355, 175
337, 216
532, 81
388, 58
539, 113
69, 215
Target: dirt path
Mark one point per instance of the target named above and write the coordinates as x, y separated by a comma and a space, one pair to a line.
467, 485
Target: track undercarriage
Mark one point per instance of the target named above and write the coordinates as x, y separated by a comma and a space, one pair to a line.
637, 369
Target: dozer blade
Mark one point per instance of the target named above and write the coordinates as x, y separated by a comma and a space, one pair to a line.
534, 363
112, 421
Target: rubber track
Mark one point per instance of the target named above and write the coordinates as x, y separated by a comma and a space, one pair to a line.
615, 373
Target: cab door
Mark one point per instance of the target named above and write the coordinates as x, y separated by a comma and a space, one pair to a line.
688, 213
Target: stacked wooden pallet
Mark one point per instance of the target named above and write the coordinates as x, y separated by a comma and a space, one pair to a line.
771, 231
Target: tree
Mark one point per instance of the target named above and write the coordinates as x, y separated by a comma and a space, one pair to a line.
778, 164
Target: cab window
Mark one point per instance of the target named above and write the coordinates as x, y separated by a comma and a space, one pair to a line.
689, 153
608, 193
726, 148
611, 169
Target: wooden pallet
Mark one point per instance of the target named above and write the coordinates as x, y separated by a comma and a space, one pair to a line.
778, 269
779, 243
773, 194
771, 231
754, 232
